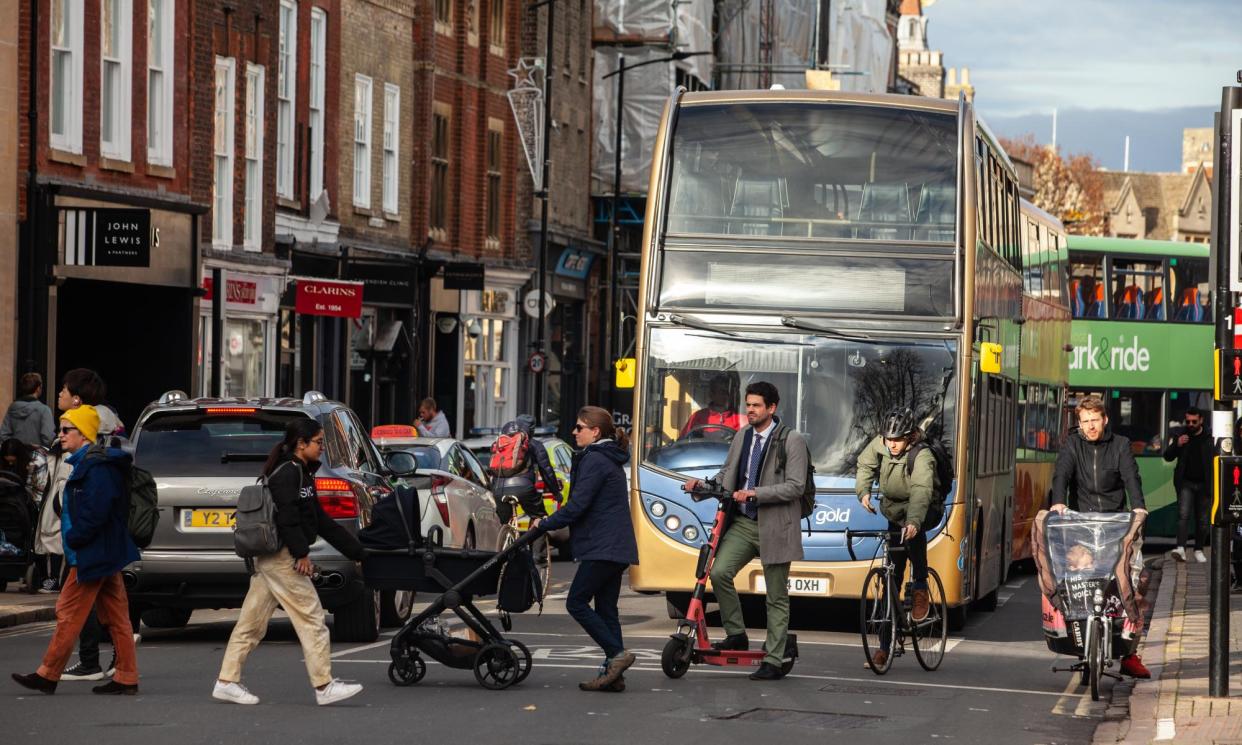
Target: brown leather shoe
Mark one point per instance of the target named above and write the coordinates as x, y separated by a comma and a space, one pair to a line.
879, 658
595, 684
922, 604
618, 686
617, 666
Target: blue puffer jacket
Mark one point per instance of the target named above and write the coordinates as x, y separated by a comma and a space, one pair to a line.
95, 515
598, 509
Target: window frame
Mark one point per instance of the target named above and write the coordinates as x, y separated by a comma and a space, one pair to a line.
364, 87
317, 103
122, 120
391, 144
441, 151
74, 13
222, 219
286, 96
160, 143
494, 156
497, 26
252, 211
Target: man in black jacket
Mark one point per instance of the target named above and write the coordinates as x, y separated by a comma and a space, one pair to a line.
1097, 469
1193, 451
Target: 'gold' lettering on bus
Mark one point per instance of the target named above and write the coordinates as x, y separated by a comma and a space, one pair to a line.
1102, 355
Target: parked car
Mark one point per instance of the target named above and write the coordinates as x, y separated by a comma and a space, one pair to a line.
201, 452
457, 495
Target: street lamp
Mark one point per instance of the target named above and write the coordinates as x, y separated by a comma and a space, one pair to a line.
614, 322
541, 376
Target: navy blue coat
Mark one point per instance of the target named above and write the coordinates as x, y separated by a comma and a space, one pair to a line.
96, 497
598, 510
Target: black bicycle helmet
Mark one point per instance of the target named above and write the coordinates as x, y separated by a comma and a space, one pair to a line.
898, 423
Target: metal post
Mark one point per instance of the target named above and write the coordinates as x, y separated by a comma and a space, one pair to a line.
1218, 621
613, 321
541, 376
217, 332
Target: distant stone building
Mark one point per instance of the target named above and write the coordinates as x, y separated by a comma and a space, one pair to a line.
1159, 206
922, 66
1198, 149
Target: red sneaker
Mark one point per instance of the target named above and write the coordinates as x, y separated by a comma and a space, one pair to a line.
1133, 666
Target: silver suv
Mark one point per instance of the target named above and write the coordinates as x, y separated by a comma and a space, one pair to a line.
201, 452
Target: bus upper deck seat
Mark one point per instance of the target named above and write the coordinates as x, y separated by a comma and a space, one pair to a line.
1078, 306
697, 206
1131, 304
936, 214
757, 198
1189, 308
1155, 309
885, 203
1095, 308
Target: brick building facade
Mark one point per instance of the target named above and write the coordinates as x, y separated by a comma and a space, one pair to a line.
9, 89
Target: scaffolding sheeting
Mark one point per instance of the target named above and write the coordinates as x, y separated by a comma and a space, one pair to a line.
646, 90
860, 48
766, 42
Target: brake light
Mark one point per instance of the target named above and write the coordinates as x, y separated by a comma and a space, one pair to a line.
337, 498
226, 410
440, 497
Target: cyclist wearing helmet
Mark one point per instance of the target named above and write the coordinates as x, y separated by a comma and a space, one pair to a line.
906, 496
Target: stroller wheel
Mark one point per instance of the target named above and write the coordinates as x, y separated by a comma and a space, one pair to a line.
524, 659
496, 666
506, 621
407, 672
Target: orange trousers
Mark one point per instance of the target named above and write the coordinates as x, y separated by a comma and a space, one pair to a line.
108, 597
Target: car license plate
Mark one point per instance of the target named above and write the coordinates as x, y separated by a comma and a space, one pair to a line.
797, 585
219, 519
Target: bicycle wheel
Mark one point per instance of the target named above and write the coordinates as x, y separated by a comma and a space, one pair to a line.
1095, 656
931, 635
878, 619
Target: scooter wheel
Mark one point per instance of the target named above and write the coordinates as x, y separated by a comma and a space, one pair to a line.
675, 659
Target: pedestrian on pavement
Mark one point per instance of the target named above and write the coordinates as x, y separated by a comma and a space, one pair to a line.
431, 421
907, 494
80, 386
1097, 470
601, 538
1192, 448
765, 526
95, 528
283, 578
29, 419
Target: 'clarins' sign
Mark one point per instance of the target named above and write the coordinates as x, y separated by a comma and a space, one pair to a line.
321, 297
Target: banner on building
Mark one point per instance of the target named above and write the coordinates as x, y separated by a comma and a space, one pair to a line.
324, 297
385, 283
463, 276
107, 237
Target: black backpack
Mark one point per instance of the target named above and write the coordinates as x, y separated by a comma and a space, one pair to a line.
944, 477
520, 585
808, 488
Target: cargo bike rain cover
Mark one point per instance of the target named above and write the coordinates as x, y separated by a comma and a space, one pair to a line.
1077, 553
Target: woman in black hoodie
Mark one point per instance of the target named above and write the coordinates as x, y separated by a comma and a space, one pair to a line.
602, 538
284, 578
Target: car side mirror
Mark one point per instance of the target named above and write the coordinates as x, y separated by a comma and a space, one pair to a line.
401, 463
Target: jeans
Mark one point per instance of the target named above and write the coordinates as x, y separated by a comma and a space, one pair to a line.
94, 633
915, 550
1192, 504
107, 595
599, 581
738, 547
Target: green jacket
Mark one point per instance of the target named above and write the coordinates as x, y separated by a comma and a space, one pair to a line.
905, 498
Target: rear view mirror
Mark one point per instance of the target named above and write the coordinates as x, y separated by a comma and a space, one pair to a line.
990, 357
401, 463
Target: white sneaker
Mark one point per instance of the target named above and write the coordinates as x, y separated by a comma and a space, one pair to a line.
234, 693
337, 690
137, 639
1199, 557
1179, 553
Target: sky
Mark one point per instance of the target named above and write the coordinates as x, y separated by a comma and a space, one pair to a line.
1147, 68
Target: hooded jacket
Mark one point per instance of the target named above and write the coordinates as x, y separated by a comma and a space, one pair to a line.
300, 518
598, 510
905, 499
1097, 476
29, 420
95, 516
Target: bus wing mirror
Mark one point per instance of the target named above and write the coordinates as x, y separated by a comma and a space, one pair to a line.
990, 357
626, 368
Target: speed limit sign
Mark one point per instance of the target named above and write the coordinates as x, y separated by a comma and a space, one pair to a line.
537, 363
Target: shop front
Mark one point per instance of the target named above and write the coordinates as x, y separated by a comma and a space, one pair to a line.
382, 342
490, 356
313, 344
570, 339
249, 320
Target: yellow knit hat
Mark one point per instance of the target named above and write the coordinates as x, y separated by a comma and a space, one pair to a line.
86, 419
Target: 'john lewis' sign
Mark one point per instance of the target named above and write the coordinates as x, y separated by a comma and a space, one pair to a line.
107, 237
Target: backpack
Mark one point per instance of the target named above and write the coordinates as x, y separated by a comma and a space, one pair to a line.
520, 585
255, 532
808, 488
144, 511
944, 477
510, 454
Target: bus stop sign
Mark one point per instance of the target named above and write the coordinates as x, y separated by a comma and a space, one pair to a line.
1227, 505
1229, 375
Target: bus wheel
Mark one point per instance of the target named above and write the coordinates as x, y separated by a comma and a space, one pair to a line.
989, 603
957, 617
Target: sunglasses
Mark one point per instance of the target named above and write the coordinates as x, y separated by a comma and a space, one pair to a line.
579, 428
67, 430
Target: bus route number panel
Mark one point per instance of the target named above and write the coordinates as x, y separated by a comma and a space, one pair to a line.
1227, 506
1229, 375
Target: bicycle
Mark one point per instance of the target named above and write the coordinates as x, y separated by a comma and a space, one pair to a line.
885, 616
509, 533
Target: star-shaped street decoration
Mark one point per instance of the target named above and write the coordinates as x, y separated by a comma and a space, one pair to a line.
528, 73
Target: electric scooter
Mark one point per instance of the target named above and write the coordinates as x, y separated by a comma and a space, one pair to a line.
691, 644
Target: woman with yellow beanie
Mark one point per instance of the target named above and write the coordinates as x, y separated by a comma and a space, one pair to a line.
94, 525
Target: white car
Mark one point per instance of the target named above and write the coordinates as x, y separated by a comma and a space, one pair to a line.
459, 498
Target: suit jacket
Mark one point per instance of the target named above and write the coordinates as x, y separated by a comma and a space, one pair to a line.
779, 495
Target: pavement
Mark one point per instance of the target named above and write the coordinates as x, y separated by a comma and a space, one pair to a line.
18, 607
1173, 707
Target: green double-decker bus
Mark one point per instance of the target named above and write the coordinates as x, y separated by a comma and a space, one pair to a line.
1142, 338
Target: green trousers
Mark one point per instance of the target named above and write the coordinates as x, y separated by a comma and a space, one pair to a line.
738, 547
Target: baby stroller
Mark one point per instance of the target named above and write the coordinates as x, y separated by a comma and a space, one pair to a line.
398, 559
1091, 609
18, 514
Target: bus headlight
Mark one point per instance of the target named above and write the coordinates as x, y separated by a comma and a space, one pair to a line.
672, 523
691, 533
658, 509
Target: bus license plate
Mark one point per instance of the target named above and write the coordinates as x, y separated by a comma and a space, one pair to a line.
797, 585
220, 519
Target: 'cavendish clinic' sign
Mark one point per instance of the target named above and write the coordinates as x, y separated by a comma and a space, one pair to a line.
107, 237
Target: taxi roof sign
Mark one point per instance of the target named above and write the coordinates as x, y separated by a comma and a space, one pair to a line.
393, 431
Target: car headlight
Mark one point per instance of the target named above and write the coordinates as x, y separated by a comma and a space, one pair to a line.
690, 533
672, 523
658, 509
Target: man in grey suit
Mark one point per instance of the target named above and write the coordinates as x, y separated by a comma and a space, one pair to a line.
766, 524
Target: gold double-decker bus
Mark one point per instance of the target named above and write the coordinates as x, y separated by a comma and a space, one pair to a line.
860, 252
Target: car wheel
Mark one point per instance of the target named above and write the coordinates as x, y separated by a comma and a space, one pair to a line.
395, 607
167, 618
359, 621
469, 541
